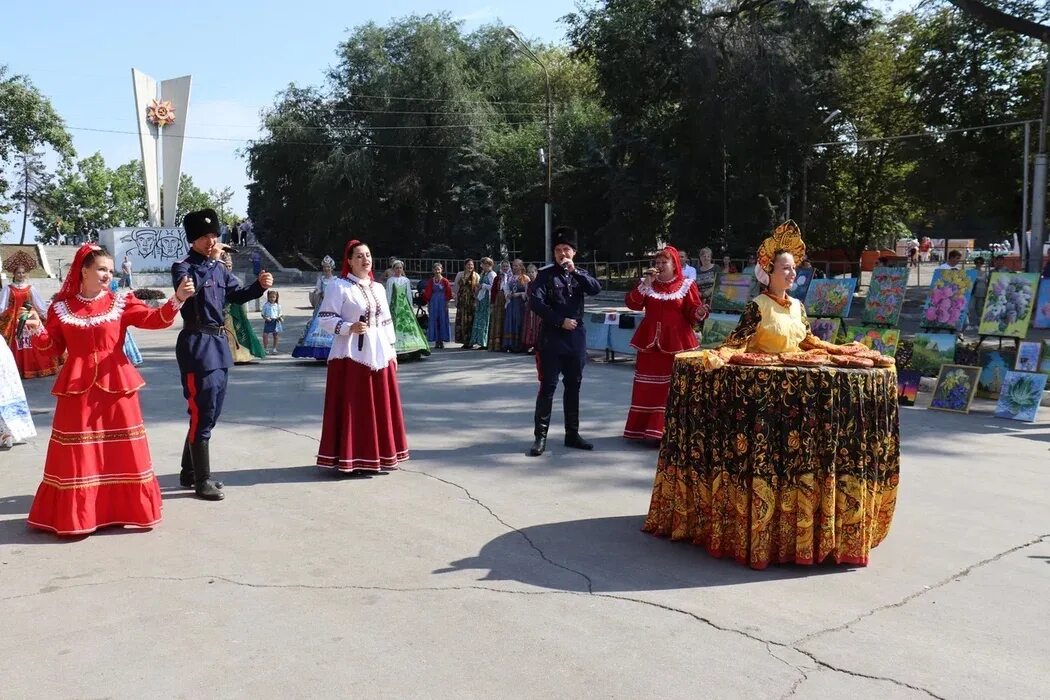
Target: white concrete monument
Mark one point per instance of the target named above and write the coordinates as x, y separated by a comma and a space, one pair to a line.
161, 116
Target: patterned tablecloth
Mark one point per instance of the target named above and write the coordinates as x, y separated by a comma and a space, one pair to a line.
778, 464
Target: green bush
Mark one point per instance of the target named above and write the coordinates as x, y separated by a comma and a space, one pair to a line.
149, 294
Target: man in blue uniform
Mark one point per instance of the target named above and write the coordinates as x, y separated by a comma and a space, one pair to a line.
202, 351
557, 296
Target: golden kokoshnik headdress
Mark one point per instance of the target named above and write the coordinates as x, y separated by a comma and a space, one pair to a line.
17, 259
787, 236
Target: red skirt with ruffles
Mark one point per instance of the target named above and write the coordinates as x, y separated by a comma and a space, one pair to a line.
98, 470
652, 382
363, 426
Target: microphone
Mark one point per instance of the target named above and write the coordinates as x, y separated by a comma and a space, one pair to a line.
565, 266
23, 317
230, 249
361, 337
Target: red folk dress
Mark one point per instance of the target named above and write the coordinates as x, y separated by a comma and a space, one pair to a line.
31, 362
671, 309
98, 470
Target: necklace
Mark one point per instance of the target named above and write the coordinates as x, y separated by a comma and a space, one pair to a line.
785, 302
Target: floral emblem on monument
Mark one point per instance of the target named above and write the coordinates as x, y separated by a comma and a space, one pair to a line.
160, 113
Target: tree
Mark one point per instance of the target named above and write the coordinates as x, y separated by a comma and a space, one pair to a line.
32, 178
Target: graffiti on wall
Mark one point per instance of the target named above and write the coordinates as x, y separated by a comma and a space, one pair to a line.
149, 249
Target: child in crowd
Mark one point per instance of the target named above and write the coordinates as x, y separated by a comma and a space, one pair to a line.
272, 320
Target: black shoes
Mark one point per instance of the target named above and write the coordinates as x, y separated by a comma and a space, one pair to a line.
542, 421
186, 478
203, 486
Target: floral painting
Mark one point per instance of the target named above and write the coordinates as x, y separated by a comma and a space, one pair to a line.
955, 388
1028, 356
830, 297
882, 339
826, 329
1041, 318
948, 299
994, 366
931, 350
1008, 306
1020, 396
907, 386
716, 327
886, 295
732, 291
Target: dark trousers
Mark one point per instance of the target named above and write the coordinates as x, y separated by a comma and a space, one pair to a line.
550, 363
204, 394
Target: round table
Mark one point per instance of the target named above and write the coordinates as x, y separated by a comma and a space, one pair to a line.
778, 464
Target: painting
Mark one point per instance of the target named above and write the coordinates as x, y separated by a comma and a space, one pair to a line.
1041, 318
826, 329
732, 291
994, 366
884, 340
948, 299
885, 295
1028, 356
1020, 396
931, 350
799, 288
1044, 362
717, 327
955, 388
830, 297
907, 386
1008, 306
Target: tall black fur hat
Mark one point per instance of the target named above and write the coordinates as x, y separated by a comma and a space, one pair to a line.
564, 235
200, 223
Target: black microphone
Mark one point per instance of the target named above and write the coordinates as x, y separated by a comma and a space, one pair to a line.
361, 336
230, 249
23, 317
565, 265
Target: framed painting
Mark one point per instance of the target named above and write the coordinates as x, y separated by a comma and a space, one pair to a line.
799, 288
732, 291
1009, 304
994, 366
884, 340
1028, 354
931, 350
907, 386
1044, 360
885, 295
948, 300
716, 327
826, 329
1041, 317
1020, 396
830, 297
956, 385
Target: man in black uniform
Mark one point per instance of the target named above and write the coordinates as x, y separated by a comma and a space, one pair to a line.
557, 296
201, 349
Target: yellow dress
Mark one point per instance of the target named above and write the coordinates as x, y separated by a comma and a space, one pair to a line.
769, 327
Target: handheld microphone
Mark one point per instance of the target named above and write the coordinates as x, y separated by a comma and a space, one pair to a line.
23, 317
230, 249
565, 266
361, 337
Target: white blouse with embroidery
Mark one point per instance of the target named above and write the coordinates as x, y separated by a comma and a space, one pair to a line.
347, 301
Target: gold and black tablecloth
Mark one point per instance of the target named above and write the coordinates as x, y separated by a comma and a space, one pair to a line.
778, 464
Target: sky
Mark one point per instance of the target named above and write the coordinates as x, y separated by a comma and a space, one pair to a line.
240, 54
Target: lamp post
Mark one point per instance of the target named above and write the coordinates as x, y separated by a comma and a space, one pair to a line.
805, 172
548, 216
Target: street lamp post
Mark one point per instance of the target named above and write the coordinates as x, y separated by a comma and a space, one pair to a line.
548, 214
805, 173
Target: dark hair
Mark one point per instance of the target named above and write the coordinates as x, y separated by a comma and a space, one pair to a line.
954, 254
978, 260
776, 254
276, 295
90, 258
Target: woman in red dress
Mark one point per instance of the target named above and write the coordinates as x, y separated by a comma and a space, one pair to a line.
363, 427
672, 307
13, 298
98, 470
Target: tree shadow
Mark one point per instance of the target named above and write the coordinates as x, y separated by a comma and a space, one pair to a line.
607, 555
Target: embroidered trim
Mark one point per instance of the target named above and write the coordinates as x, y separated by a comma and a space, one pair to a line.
68, 317
88, 300
679, 293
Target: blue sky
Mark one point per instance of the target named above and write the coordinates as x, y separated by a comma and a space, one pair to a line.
239, 53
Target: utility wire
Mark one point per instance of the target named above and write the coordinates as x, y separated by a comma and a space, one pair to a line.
926, 134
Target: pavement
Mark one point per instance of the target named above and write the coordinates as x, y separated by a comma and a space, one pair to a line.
479, 572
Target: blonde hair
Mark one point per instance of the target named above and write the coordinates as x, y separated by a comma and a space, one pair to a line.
487, 260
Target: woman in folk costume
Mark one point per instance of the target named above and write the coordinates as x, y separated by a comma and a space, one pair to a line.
465, 290
516, 293
533, 321
672, 307
16, 423
479, 334
13, 300
245, 346
437, 294
363, 427
316, 342
410, 339
498, 301
98, 470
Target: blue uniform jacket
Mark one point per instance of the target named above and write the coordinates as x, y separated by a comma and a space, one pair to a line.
556, 295
202, 346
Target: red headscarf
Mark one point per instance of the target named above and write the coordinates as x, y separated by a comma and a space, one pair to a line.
71, 287
346, 258
676, 261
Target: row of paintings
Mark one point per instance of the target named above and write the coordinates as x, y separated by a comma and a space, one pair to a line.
1018, 398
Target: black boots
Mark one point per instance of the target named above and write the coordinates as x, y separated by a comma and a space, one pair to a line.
572, 432
203, 486
186, 479
542, 421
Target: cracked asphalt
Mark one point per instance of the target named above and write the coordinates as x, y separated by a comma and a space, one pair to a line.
479, 572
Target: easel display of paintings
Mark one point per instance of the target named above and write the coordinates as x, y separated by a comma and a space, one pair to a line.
884, 340
994, 366
830, 297
1020, 396
1008, 307
716, 327
827, 329
885, 296
948, 299
733, 290
956, 385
